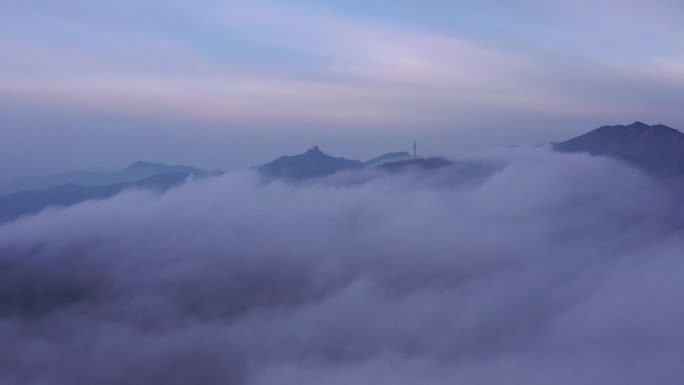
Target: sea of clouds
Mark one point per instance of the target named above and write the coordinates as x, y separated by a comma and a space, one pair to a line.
535, 268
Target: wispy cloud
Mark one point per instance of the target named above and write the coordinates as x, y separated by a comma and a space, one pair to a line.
391, 65
266, 62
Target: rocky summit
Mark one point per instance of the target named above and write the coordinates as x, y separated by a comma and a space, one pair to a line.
311, 164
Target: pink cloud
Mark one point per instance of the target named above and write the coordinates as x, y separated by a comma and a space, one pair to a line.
369, 73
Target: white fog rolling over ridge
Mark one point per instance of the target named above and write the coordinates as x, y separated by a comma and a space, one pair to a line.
549, 269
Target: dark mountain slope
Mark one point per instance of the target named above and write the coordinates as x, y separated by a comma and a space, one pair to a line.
389, 157
657, 149
22, 203
311, 164
430, 163
134, 172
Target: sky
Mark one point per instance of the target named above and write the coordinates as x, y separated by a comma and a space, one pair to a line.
100, 84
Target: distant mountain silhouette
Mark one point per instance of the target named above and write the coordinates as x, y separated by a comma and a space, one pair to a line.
134, 172
389, 157
657, 149
22, 203
311, 164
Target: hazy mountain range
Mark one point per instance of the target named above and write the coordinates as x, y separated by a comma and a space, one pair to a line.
33, 194
657, 149
33, 201
132, 173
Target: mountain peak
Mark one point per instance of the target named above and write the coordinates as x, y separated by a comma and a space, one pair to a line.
145, 169
315, 152
141, 165
311, 164
637, 127
658, 148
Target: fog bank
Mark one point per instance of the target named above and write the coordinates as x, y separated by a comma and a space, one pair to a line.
541, 269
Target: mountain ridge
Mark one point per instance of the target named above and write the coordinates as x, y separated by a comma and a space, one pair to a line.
28, 202
136, 171
657, 149
311, 164
388, 157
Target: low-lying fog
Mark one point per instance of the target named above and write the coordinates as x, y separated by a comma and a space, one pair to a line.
540, 269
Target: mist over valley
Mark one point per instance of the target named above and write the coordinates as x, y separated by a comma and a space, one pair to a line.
519, 265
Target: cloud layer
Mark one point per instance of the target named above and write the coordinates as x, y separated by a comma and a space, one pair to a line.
543, 269
264, 62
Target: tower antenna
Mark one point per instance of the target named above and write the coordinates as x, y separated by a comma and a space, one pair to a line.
414, 149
